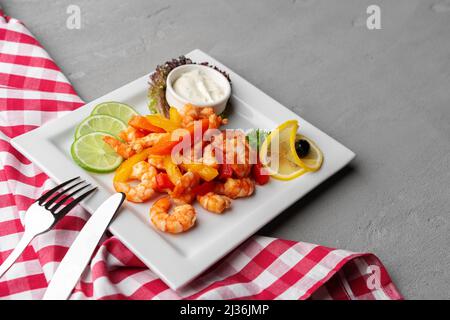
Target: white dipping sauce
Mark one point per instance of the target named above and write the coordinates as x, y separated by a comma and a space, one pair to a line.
197, 87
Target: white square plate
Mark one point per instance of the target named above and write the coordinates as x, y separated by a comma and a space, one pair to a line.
177, 259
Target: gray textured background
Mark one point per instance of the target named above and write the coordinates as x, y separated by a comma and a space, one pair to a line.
384, 94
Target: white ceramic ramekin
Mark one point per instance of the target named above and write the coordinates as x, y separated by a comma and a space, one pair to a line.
178, 102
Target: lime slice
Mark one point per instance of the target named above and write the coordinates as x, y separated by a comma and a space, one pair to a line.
115, 109
100, 122
91, 153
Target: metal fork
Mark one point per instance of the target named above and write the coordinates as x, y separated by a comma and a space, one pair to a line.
43, 214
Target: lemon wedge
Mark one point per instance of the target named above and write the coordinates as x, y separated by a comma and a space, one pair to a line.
280, 158
276, 152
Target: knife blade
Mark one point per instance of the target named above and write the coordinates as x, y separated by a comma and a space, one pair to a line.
80, 252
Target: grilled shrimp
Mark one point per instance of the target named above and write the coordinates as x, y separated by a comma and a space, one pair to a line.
241, 170
139, 169
234, 150
146, 175
216, 121
130, 134
236, 188
214, 202
182, 192
239, 150
149, 140
191, 113
122, 148
181, 219
156, 161
209, 158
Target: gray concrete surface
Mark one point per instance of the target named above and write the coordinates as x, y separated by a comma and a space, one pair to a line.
383, 93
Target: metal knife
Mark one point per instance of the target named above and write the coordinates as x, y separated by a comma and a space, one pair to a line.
80, 252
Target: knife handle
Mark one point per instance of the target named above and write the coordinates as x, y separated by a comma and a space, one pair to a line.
80, 252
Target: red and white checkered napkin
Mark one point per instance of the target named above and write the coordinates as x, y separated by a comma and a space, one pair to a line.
32, 91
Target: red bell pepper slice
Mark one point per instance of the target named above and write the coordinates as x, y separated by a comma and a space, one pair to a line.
163, 182
162, 148
204, 188
142, 123
259, 175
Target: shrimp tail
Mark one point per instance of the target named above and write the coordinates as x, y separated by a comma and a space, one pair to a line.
121, 148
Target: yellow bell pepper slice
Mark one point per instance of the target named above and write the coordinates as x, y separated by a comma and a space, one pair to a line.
162, 122
207, 173
172, 170
175, 116
124, 171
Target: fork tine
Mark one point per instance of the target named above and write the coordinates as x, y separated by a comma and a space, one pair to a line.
63, 200
71, 205
47, 195
52, 200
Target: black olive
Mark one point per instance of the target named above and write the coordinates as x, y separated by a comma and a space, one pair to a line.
302, 147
